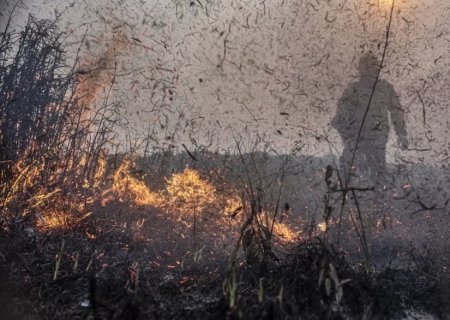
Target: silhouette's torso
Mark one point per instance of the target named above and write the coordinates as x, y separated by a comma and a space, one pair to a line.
351, 111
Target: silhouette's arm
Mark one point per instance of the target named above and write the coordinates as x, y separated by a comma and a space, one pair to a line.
398, 119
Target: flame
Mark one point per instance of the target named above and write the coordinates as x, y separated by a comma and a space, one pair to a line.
186, 193
63, 201
55, 183
189, 193
322, 226
128, 188
231, 204
281, 230
51, 202
285, 233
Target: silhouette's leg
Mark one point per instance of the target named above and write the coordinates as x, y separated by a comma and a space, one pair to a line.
360, 169
345, 163
377, 160
343, 172
377, 165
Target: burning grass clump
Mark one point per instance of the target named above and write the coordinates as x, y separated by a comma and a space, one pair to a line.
127, 188
284, 232
188, 193
53, 157
182, 195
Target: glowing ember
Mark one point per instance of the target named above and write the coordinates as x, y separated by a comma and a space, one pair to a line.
322, 226
285, 233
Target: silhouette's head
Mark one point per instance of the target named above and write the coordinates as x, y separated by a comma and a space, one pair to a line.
368, 65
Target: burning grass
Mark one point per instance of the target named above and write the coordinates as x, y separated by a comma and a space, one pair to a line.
54, 193
142, 262
188, 193
53, 158
127, 188
181, 196
167, 250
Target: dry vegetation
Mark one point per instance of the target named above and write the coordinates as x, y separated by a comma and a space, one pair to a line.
89, 234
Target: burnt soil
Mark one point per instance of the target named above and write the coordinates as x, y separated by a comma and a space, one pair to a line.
130, 262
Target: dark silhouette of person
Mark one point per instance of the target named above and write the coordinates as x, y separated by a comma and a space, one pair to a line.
370, 157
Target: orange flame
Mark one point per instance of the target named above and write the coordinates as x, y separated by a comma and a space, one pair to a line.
128, 188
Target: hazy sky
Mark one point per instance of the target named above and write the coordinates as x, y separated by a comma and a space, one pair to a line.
285, 67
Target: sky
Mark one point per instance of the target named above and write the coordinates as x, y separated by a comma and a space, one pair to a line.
207, 73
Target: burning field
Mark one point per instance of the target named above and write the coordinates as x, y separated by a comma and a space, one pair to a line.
92, 229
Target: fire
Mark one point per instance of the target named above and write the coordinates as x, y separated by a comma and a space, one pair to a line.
322, 226
69, 192
62, 164
41, 187
184, 195
128, 188
285, 233
282, 231
189, 193
232, 205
